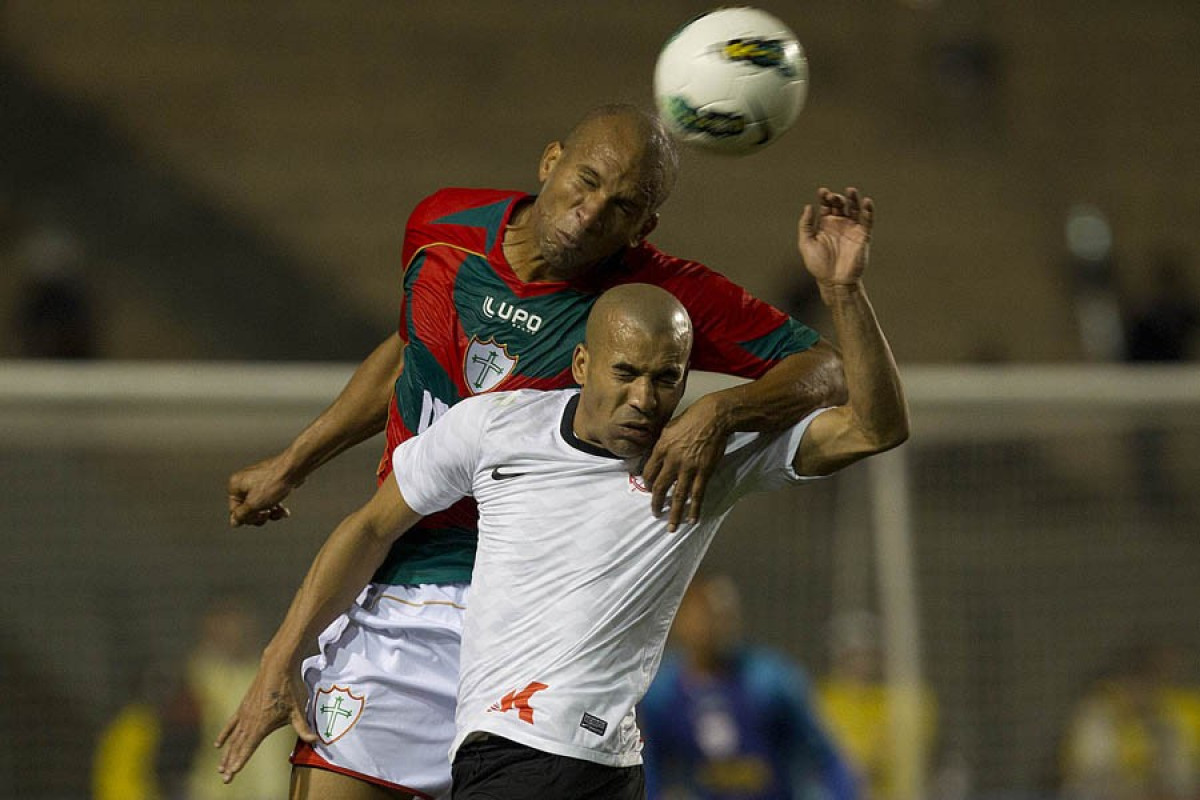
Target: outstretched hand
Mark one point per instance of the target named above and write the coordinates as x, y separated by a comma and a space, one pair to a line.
256, 494
834, 240
276, 698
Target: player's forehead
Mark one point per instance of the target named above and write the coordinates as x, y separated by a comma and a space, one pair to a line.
633, 348
615, 149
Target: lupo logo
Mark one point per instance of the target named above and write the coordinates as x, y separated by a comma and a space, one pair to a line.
517, 317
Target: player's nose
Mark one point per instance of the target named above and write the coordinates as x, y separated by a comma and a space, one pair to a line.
642, 395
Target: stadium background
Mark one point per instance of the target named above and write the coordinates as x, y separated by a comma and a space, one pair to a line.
228, 183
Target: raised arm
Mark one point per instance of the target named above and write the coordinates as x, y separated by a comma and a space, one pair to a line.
340, 570
256, 492
689, 448
834, 241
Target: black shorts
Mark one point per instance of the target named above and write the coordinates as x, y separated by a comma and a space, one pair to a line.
495, 768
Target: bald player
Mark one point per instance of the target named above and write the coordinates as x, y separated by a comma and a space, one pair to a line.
576, 579
497, 288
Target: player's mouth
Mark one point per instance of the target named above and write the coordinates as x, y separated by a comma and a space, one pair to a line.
637, 431
567, 240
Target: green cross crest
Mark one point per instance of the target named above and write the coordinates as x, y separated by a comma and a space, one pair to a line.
487, 365
334, 711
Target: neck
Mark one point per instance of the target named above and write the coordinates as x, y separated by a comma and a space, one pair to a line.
521, 249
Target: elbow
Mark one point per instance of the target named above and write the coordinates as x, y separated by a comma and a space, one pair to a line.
894, 434
889, 433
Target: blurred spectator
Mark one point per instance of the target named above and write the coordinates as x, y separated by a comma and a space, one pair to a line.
55, 317
124, 766
140, 754
220, 668
1133, 735
858, 705
727, 720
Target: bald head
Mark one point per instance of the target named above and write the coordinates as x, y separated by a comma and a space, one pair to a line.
632, 367
649, 309
659, 155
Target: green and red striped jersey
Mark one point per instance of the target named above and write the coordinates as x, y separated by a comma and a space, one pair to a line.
472, 326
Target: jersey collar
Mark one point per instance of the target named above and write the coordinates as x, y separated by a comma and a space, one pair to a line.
567, 429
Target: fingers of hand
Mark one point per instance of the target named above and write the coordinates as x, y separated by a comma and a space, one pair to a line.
808, 223
680, 500
658, 491
852, 203
247, 515
867, 217
301, 727
697, 499
653, 466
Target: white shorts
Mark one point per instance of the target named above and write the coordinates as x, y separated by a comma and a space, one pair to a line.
381, 690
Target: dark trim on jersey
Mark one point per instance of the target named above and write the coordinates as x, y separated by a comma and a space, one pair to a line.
567, 429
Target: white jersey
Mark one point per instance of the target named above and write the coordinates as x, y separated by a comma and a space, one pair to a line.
576, 582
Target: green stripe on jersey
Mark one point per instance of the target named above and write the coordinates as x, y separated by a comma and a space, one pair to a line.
791, 337
445, 555
486, 217
539, 331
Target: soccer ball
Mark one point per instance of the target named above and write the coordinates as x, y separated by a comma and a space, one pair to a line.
732, 80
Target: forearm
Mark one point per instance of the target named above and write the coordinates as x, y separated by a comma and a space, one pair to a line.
342, 567
787, 393
359, 412
876, 397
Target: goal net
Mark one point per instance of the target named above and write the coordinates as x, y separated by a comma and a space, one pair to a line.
1040, 520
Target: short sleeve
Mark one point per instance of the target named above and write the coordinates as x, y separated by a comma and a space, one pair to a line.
437, 468
763, 461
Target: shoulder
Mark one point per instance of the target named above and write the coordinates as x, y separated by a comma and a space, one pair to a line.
645, 263
447, 202
467, 219
502, 407
708, 295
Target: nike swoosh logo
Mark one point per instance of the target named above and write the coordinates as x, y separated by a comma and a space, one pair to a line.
497, 475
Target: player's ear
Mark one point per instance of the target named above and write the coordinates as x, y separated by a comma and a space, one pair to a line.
650, 224
550, 157
579, 361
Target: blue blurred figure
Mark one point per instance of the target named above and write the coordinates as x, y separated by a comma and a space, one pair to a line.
724, 720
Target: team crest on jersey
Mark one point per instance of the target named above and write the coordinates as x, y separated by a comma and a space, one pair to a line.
335, 711
486, 365
638, 484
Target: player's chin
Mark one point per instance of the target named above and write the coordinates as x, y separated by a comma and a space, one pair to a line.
627, 441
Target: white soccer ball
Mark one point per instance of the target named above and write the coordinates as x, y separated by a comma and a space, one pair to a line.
731, 81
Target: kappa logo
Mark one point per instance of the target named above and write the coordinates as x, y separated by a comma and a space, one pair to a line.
335, 712
519, 701
517, 317
487, 364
